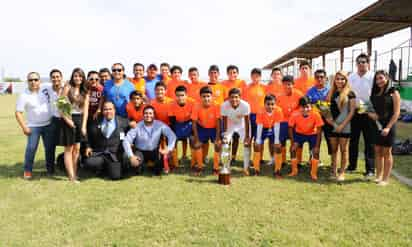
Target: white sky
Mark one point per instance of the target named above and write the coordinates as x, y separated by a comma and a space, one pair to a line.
44, 34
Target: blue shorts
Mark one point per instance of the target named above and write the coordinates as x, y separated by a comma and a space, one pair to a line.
301, 139
206, 134
253, 125
268, 133
283, 132
183, 130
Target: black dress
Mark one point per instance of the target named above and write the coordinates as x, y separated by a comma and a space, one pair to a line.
383, 105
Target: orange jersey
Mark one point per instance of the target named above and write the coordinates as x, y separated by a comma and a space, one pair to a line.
194, 90
219, 93
139, 84
206, 117
275, 88
182, 113
255, 96
289, 103
308, 125
172, 85
161, 109
166, 80
238, 83
133, 113
303, 85
268, 120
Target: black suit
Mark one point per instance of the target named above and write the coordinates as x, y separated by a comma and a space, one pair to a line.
107, 153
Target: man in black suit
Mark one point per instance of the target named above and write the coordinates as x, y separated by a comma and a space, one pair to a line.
103, 148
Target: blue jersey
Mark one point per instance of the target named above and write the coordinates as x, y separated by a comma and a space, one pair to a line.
150, 86
314, 94
119, 95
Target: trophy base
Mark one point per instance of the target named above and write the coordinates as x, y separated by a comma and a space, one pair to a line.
224, 178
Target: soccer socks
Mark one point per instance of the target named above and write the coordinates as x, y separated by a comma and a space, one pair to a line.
299, 151
314, 169
256, 161
283, 149
193, 159
175, 160
294, 164
246, 158
278, 162
198, 156
216, 158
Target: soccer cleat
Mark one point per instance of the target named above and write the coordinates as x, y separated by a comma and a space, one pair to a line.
277, 175
215, 172
246, 172
27, 175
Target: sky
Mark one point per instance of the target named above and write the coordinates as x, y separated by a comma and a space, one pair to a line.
45, 34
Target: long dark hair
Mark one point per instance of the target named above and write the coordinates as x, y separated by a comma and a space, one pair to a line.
375, 88
83, 87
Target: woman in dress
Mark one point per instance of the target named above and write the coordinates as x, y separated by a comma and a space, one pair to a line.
342, 106
74, 129
385, 100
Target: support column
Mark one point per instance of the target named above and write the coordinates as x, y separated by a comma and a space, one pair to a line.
342, 57
369, 46
324, 61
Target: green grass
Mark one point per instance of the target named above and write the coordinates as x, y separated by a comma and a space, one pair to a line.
181, 210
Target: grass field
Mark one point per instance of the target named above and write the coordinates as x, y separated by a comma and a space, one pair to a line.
181, 210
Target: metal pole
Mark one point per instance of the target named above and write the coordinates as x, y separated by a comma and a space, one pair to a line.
375, 66
342, 57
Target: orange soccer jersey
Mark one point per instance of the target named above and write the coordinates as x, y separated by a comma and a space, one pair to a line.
182, 113
206, 116
161, 109
139, 84
194, 90
268, 120
255, 96
218, 93
288, 104
275, 88
238, 83
308, 125
133, 113
304, 84
172, 85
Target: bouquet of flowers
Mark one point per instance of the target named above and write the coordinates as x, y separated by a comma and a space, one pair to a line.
367, 107
324, 109
64, 106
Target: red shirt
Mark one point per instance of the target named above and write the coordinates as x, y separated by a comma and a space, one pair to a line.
95, 93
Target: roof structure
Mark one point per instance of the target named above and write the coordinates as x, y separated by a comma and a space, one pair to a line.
380, 18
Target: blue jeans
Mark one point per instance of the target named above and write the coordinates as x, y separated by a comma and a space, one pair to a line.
47, 135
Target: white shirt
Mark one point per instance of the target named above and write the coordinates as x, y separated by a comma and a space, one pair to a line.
37, 107
235, 116
54, 96
362, 86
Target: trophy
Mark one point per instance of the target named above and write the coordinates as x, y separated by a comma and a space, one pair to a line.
224, 173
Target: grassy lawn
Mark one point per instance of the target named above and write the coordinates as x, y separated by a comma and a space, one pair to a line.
181, 210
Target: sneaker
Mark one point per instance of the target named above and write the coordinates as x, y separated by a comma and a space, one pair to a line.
27, 175
278, 175
369, 176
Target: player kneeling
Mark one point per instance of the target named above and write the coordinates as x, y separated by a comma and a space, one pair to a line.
205, 127
268, 126
235, 114
305, 125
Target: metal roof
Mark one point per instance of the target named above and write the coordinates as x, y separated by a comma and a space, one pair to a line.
380, 18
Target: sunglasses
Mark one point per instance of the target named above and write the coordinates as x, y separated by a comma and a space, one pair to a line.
117, 70
34, 79
93, 79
